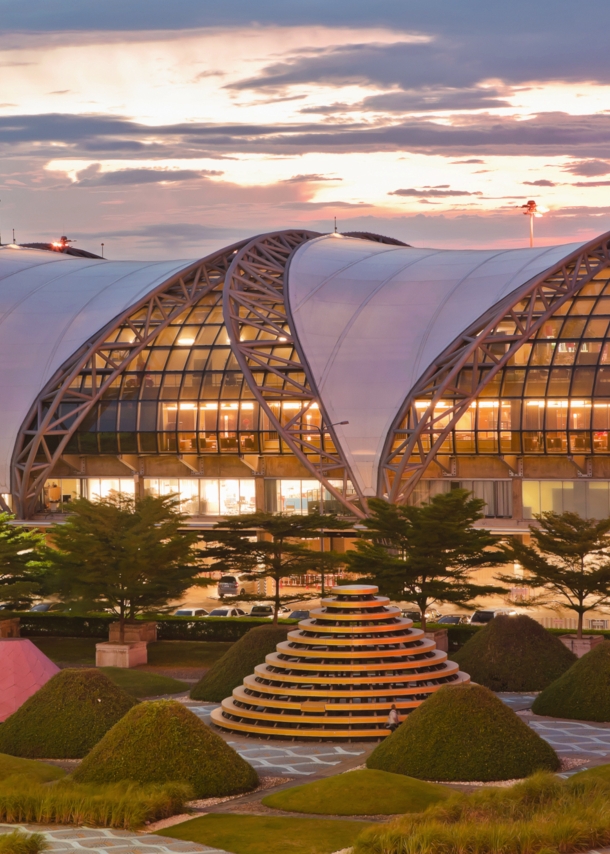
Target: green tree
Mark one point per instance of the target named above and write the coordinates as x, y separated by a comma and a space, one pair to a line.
127, 555
277, 553
20, 573
426, 553
568, 560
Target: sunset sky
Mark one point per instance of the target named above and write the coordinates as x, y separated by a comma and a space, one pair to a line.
168, 129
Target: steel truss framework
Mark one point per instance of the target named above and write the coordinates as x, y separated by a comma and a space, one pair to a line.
62, 407
417, 438
268, 353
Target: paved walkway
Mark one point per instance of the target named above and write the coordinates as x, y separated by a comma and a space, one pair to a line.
574, 739
66, 840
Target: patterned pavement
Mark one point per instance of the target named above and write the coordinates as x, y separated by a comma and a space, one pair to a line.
67, 840
272, 759
571, 738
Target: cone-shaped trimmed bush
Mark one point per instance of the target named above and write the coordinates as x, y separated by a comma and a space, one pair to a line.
161, 742
514, 654
238, 662
583, 692
66, 717
464, 733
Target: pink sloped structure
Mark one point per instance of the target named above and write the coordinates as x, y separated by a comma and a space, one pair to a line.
23, 670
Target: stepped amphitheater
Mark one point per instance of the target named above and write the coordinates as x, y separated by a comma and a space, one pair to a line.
338, 673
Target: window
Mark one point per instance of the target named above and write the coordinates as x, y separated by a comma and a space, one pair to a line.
497, 494
589, 498
200, 496
95, 488
300, 497
57, 494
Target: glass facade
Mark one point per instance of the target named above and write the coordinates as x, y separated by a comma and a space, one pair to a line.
300, 497
183, 395
207, 496
553, 396
589, 498
497, 494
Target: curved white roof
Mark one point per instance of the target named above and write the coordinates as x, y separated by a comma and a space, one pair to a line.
50, 305
371, 318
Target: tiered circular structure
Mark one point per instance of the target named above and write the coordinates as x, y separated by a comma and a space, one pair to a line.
338, 674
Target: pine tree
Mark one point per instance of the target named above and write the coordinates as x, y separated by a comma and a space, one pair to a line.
20, 574
426, 554
130, 556
569, 560
277, 553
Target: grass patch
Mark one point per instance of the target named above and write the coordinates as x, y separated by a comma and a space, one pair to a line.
583, 692
186, 653
18, 842
162, 741
123, 805
542, 814
464, 732
142, 683
66, 717
363, 792
514, 654
238, 662
160, 654
249, 834
39, 772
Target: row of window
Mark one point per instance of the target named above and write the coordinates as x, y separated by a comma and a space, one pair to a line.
200, 496
497, 494
588, 498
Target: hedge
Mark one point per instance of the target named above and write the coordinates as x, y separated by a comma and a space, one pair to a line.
168, 628
582, 693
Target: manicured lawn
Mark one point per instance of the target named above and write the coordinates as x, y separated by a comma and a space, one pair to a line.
160, 654
142, 683
249, 834
364, 792
39, 772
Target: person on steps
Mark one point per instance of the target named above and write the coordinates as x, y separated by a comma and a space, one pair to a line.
393, 719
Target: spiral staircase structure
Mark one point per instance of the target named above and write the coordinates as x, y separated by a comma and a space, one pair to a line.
338, 674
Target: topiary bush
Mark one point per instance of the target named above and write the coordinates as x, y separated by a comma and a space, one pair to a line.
514, 654
66, 717
583, 692
238, 662
162, 742
464, 733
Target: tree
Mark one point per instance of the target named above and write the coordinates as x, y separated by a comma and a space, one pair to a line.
124, 554
20, 575
279, 553
426, 553
569, 559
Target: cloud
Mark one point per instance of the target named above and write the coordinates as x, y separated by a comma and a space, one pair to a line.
441, 191
469, 160
590, 184
309, 179
541, 182
589, 168
426, 100
94, 177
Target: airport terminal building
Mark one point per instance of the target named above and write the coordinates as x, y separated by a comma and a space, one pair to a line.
296, 367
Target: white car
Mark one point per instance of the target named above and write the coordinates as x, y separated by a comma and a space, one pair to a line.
191, 612
266, 611
227, 612
482, 617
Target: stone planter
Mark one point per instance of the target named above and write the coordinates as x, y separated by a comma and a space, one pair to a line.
10, 628
440, 638
134, 632
121, 654
581, 646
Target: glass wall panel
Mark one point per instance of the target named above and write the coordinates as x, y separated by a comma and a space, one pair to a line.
588, 498
200, 496
497, 494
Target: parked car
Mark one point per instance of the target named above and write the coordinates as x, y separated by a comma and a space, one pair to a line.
299, 615
481, 618
227, 612
191, 612
415, 615
45, 607
267, 611
453, 620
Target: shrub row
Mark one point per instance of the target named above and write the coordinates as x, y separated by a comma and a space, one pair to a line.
169, 628
124, 805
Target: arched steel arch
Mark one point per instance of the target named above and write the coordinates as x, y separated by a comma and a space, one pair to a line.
269, 354
409, 450
60, 409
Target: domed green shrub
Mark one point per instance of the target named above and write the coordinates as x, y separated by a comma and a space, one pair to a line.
583, 692
66, 717
514, 654
464, 732
161, 742
238, 662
